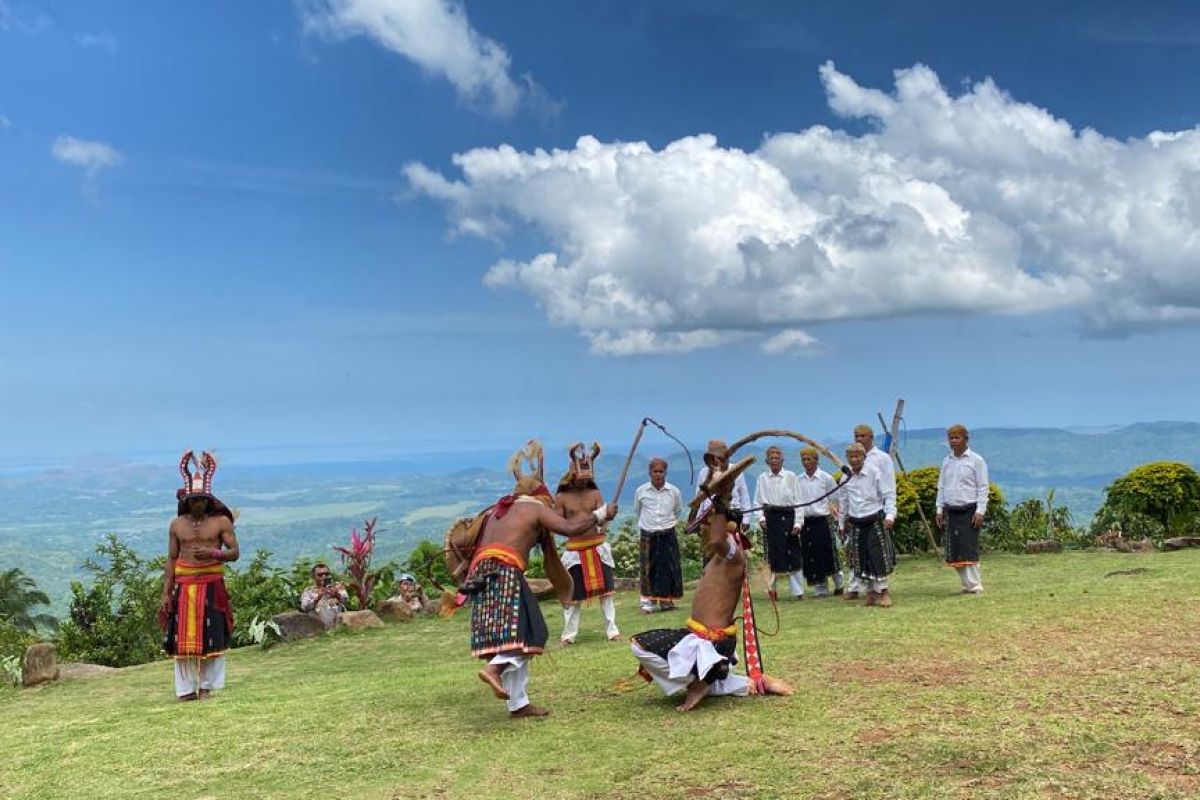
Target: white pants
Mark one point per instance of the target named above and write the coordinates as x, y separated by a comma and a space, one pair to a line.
878, 586
970, 578
514, 679
855, 584
572, 613
795, 582
193, 674
674, 682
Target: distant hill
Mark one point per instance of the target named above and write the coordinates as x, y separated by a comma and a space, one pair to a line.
50, 520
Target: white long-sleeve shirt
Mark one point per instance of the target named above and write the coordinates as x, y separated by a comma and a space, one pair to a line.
963, 480
812, 487
776, 489
881, 461
865, 493
657, 509
739, 500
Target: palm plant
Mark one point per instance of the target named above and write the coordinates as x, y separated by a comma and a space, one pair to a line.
18, 597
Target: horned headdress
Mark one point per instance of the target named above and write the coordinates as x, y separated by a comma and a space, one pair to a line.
197, 474
533, 456
582, 466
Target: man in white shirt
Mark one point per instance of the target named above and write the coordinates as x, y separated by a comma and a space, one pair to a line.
868, 514
865, 435
776, 495
739, 501
962, 499
816, 536
656, 507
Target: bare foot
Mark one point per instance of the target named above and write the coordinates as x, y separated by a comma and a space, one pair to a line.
530, 711
491, 676
697, 691
565, 642
183, 698
776, 686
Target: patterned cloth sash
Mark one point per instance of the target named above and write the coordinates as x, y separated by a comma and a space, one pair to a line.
589, 560
711, 634
579, 543
190, 616
500, 552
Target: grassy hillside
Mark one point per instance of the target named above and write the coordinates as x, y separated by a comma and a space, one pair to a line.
1062, 681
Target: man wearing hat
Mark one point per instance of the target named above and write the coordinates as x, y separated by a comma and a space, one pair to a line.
195, 613
412, 595
817, 542
777, 494
717, 457
962, 499
864, 435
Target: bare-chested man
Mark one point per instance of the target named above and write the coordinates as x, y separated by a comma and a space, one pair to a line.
195, 612
588, 558
698, 658
507, 627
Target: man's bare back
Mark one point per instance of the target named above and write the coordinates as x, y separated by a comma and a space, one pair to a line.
522, 526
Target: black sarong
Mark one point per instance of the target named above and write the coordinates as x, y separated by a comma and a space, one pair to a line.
819, 550
214, 630
872, 554
962, 538
783, 549
662, 575
660, 642
505, 617
606, 585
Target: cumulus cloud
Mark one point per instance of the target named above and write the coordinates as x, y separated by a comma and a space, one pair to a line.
952, 204
91, 156
434, 34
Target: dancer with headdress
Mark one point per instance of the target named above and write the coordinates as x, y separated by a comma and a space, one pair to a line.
696, 660
589, 558
195, 614
492, 551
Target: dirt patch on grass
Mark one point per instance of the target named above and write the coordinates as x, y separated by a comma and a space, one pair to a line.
922, 673
873, 735
1167, 762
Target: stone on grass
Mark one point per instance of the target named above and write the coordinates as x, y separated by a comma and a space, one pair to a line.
1044, 546
627, 584
358, 620
40, 664
1181, 542
295, 625
81, 671
395, 611
542, 588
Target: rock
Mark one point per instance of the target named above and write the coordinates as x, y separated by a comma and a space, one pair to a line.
80, 671
1143, 545
395, 611
542, 588
294, 625
40, 664
1044, 546
627, 584
358, 620
1181, 542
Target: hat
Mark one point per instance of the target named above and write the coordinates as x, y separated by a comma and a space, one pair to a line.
864, 428
716, 449
582, 466
406, 576
196, 483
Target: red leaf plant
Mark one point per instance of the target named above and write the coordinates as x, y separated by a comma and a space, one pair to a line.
357, 560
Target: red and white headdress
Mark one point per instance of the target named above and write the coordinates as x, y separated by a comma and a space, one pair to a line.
582, 466
197, 475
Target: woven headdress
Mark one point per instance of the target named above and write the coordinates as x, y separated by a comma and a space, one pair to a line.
582, 466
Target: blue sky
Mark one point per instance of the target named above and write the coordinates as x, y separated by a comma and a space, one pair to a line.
376, 226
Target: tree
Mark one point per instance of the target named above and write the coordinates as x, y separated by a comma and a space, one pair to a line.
1167, 491
19, 596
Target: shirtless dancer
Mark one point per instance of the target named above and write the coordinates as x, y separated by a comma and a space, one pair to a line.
588, 558
507, 627
698, 658
195, 613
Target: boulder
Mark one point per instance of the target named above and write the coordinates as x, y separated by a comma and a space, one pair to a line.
294, 625
40, 664
358, 620
627, 584
395, 610
81, 671
1044, 546
1181, 542
542, 588
1143, 545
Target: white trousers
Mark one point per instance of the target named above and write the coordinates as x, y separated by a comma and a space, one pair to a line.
572, 613
192, 675
970, 578
514, 679
795, 582
660, 673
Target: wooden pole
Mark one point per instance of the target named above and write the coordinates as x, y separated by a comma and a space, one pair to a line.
894, 452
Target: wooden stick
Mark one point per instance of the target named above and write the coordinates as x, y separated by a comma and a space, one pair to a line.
616, 496
894, 452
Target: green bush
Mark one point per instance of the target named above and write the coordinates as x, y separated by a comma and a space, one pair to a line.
1032, 519
920, 487
1167, 492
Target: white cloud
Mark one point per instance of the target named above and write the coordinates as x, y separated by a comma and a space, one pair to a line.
92, 156
434, 34
99, 41
975, 203
5, 122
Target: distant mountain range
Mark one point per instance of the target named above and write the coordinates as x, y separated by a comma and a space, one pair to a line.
50, 520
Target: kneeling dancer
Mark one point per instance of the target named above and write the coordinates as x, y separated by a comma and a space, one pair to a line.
507, 626
195, 614
697, 659
868, 514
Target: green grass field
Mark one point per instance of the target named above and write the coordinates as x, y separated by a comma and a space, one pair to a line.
1059, 682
